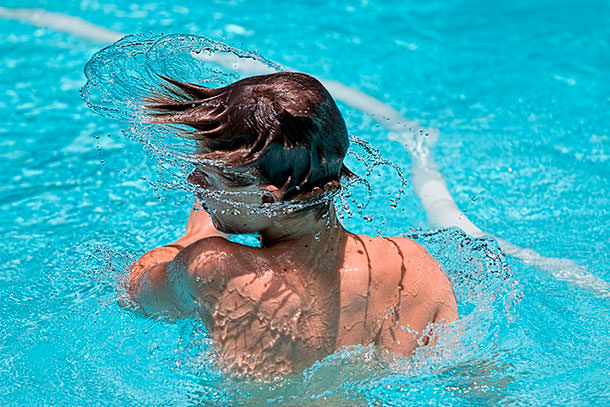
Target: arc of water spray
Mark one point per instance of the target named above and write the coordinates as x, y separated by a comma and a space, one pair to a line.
427, 181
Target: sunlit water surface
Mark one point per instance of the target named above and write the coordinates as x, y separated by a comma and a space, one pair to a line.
519, 93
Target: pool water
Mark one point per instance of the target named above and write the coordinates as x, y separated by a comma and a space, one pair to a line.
519, 94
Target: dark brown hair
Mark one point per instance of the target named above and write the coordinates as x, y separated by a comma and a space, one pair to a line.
284, 125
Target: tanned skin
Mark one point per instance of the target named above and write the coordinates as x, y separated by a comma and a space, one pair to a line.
310, 289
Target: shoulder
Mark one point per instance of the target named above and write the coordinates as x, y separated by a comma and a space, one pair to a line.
413, 256
208, 245
390, 254
416, 257
209, 255
425, 283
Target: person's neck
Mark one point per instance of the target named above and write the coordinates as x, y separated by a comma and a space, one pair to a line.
307, 232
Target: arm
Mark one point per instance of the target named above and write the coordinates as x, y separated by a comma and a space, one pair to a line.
158, 281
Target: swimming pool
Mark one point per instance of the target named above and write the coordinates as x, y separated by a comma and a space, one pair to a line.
519, 94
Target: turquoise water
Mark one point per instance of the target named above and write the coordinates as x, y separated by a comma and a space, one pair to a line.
519, 92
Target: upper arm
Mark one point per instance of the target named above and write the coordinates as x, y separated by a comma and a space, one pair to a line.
171, 289
164, 290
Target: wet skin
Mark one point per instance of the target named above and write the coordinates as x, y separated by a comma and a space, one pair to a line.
311, 288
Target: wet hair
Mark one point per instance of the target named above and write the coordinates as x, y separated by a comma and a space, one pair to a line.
285, 126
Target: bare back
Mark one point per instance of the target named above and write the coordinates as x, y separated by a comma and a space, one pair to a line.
274, 311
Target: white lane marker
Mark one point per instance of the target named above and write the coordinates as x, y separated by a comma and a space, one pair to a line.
427, 180
61, 22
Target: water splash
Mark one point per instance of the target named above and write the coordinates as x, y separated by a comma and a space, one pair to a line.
377, 180
122, 74
487, 294
120, 78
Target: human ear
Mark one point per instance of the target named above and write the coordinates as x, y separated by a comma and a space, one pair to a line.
271, 193
196, 177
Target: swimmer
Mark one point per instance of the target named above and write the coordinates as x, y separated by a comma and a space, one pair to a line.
311, 287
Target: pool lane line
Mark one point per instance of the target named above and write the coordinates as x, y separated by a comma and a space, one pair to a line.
61, 22
428, 183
